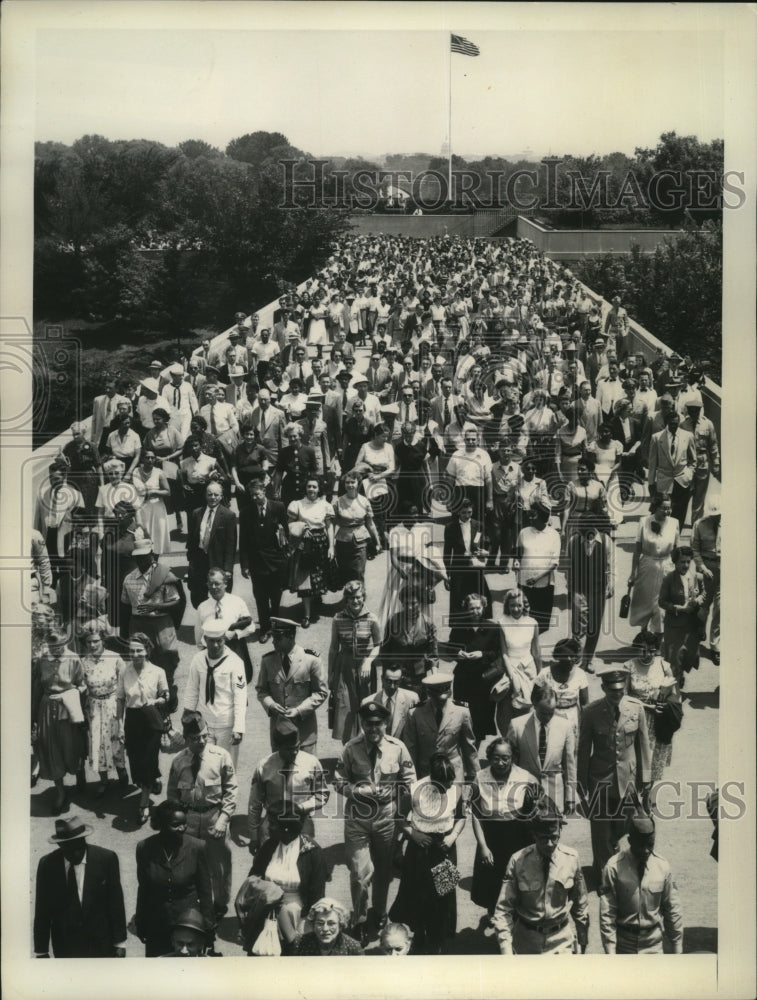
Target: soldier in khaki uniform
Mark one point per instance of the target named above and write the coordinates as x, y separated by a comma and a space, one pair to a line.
202, 778
542, 889
614, 763
639, 897
291, 683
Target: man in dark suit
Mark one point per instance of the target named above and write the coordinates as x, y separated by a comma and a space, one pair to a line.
614, 763
79, 902
263, 553
464, 557
439, 725
211, 542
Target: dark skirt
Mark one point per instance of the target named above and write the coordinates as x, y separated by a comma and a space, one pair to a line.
142, 747
432, 918
310, 562
503, 838
463, 582
351, 557
61, 744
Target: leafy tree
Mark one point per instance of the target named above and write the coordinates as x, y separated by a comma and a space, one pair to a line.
254, 147
192, 148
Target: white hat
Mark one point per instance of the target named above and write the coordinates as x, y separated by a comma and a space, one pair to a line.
214, 628
176, 369
151, 384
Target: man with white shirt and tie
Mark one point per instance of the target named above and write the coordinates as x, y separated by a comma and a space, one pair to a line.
398, 702
221, 418
269, 422
211, 543
609, 391
300, 367
545, 745
181, 399
672, 463
407, 414
217, 688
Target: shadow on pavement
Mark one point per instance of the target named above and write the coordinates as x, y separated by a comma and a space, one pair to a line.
702, 699
700, 939
228, 930
471, 941
333, 855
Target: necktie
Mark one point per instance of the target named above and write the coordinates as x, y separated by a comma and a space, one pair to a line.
438, 712
617, 716
546, 862
302, 375
261, 510
390, 710
542, 744
446, 412
213, 426
373, 756
218, 609
176, 397
72, 888
205, 544
286, 663
210, 683
195, 765
407, 412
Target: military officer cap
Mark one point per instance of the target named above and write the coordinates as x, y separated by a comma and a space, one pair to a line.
599, 342
546, 813
192, 723
285, 733
192, 919
214, 628
437, 680
613, 676
371, 711
156, 364
283, 625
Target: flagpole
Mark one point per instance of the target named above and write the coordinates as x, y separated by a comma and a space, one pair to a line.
449, 121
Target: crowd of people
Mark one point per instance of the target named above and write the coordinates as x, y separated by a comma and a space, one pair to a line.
409, 383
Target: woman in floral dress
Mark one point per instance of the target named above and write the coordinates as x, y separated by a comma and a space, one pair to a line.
651, 680
106, 737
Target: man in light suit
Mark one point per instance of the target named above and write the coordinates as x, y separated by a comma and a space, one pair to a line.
614, 763
672, 463
546, 746
398, 702
439, 725
104, 412
79, 903
269, 422
211, 542
291, 683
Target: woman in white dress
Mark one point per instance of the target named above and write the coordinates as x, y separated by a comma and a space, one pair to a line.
152, 488
656, 538
607, 453
651, 680
521, 659
375, 463
318, 336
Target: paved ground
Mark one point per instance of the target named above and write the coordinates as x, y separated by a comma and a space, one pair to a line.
684, 841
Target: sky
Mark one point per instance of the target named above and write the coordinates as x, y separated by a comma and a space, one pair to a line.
372, 92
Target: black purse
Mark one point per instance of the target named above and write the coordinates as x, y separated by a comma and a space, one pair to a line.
625, 604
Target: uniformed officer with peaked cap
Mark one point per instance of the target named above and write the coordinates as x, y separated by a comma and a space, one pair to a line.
542, 889
614, 762
292, 683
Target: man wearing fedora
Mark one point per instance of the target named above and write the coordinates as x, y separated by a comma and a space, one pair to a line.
614, 763
79, 902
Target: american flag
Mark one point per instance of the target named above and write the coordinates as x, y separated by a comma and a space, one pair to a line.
463, 47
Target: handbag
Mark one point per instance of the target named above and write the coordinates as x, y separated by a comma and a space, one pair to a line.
492, 674
501, 689
268, 943
445, 876
625, 604
332, 576
153, 717
668, 721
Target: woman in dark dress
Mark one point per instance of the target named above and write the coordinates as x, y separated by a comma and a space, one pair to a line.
86, 467
172, 876
479, 664
412, 468
296, 464
356, 431
464, 558
503, 796
432, 827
